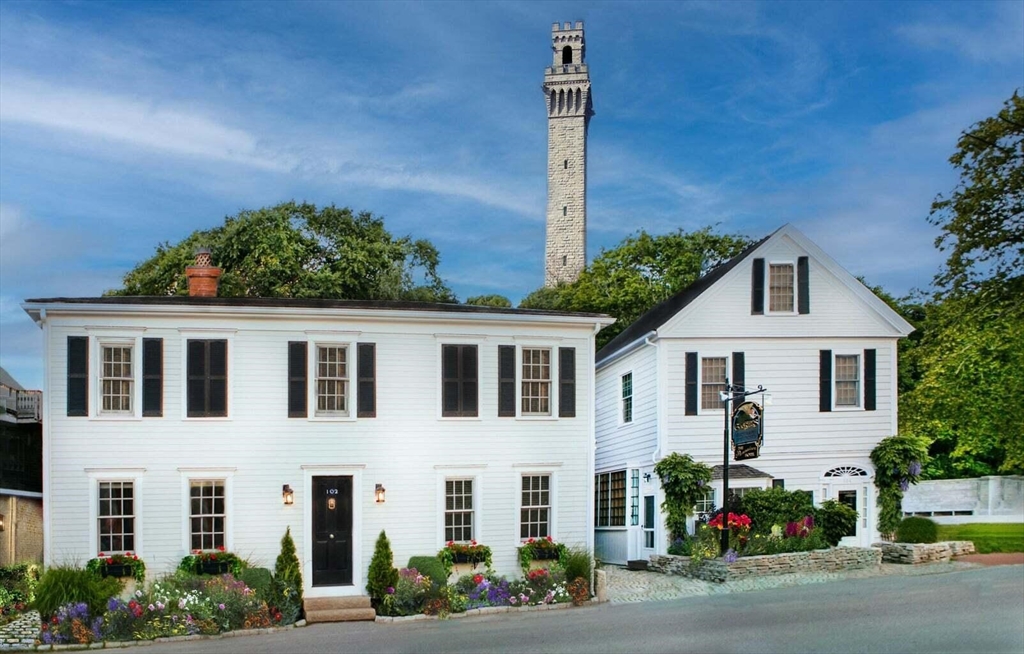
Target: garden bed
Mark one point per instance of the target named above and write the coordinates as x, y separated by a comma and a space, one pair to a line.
719, 571
917, 553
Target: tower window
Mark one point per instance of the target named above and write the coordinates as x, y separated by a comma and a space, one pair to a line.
565, 164
565, 211
565, 259
567, 54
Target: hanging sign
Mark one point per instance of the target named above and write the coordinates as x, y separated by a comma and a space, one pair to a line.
747, 431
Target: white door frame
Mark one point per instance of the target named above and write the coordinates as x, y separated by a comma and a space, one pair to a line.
852, 478
356, 472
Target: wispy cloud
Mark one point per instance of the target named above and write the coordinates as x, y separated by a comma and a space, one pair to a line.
998, 39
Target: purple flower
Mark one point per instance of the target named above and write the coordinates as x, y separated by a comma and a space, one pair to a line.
914, 469
151, 607
730, 555
700, 483
390, 590
904, 484
220, 606
96, 632
114, 604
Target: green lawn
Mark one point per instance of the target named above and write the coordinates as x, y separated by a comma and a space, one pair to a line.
987, 537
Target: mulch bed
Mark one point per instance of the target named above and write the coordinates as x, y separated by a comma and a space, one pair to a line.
999, 558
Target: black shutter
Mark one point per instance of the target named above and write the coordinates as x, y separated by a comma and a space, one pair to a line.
691, 383
78, 375
217, 402
825, 381
738, 369
153, 377
506, 381
803, 285
366, 366
196, 370
566, 382
298, 386
757, 287
450, 385
869, 380
468, 383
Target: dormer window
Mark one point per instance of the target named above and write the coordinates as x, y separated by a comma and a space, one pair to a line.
780, 287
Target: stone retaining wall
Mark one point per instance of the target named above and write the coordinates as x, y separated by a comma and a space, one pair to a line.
20, 633
915, 553
717, 570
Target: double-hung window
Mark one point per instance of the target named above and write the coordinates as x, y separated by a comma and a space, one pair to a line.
536, 382
332, 375
847, 380
610, 499
116, 515
706, 503
207, 514
117, 380
459, 381
627, 397
458, 510
535, 513
712, 382
780, 287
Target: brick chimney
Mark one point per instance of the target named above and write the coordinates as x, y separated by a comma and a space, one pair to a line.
202, 277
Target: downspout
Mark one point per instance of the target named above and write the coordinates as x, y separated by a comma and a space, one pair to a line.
592, 441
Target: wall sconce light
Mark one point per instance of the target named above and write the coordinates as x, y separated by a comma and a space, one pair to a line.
647, 476
378, 492
288, 494
1, 521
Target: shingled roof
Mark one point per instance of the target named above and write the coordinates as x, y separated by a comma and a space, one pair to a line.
663, 312
739, 471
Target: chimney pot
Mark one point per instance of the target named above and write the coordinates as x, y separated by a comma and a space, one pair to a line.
203, 278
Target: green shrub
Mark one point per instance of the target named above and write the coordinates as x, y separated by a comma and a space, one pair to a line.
576, 562
429, 566
64, 584
287, 580
835, 520
382, 574
775, 506
19, 580
916, 529
261, 581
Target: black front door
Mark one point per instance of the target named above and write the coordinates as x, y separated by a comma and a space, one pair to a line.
332, 531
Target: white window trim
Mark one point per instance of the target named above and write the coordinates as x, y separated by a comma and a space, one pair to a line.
96, 345
460, 340
700, 380
188, 475
97, 475
860, 380
622, 400
768, 287
554, 381
359, 495
208, 335
528, 471
476, 474
311, 365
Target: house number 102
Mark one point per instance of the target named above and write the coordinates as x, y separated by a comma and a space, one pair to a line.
332, 491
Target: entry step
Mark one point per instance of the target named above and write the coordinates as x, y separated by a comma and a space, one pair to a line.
636, 564
338, 609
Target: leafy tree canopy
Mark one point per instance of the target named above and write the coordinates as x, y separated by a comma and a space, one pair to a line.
499, 301
640, 272
982, 221
298, 250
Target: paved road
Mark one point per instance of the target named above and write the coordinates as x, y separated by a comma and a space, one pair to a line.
977, 610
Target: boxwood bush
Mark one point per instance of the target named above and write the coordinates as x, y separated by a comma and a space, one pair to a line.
917, 529
836, 520
429, 566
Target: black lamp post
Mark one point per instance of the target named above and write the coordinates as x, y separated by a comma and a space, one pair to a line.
730, 394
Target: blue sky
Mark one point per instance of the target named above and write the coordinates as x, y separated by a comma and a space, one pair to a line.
124, 125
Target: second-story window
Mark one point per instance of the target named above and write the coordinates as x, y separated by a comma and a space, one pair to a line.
207, 378
627, 397
712, 382
536, 382
780, 287
116, 379
459, 381
332, 390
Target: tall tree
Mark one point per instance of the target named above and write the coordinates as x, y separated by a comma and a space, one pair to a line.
298, 250
640, 272
982, 220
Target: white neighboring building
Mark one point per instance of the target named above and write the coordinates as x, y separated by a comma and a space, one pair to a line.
174, 423
783, 315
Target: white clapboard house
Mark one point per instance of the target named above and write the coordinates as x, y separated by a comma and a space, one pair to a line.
181, 423
782, 315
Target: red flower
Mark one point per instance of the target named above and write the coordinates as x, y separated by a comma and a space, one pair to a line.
213, 557
472, 542
110, 560
550, 539
221, 549
101, 555
530, 541
478, 579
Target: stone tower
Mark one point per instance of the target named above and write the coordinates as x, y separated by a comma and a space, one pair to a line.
567, 94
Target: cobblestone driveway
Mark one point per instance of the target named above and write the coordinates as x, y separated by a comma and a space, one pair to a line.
627, 586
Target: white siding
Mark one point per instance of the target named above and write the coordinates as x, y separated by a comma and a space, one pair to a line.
401, 448
621, 443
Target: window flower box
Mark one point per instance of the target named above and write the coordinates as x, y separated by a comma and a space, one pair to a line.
122, 566
217, 562
539, 549
472, 553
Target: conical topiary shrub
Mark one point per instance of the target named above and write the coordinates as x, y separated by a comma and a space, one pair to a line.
382, 574
288, 577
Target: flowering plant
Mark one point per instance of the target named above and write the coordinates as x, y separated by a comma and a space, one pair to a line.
219, 560
102, 562
72, 626
472, 552
539, 549
736, 522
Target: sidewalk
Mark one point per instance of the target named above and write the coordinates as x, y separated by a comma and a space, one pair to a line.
626, 586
